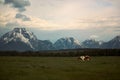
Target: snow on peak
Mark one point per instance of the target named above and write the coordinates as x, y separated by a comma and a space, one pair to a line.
70, 40
25, 33
75, 41
19, 34
67, 43
19, 29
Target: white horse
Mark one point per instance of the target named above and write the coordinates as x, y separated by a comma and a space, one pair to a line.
84, 58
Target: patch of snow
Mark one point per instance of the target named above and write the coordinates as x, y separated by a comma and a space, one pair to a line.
77, 42
18, 35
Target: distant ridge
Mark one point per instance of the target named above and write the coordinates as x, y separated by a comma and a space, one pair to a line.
67, 43
20, 39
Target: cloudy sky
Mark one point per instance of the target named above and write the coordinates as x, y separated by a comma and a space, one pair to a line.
53, 19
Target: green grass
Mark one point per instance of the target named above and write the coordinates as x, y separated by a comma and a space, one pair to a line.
59, 68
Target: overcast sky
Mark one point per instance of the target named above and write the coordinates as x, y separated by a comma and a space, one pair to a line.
53, 19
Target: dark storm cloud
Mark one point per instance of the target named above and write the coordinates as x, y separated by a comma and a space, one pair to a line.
23, 17
20, 4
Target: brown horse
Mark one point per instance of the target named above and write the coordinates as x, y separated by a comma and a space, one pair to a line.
84, 58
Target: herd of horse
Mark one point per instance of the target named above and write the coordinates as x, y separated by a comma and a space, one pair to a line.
84, 58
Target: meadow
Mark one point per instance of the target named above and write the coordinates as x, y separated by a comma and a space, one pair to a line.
59, 68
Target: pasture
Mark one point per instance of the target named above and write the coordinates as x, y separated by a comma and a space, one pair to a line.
59, 68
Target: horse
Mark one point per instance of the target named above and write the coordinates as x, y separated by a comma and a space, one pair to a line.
84, 58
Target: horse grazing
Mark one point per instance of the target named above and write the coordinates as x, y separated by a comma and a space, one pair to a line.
84, 58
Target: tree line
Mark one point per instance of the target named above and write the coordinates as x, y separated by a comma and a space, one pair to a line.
64, 53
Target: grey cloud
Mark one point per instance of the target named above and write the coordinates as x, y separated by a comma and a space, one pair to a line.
20, 4
117, 30
12, 24
118, 27
23, 17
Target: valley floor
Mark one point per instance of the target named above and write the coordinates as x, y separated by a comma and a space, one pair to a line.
59, 68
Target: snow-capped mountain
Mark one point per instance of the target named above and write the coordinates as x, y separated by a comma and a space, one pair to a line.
18, 39
113, 44
67, 43
91, 43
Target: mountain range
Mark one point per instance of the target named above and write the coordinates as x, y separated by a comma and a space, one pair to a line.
92, 43
20, 39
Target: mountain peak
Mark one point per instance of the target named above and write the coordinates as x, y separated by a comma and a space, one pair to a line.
114, 43
91, 43
117, 37
67, 43
19, 29
19, 35
70, 40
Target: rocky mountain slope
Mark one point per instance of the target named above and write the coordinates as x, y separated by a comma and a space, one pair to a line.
91, 43
112, 44
20, 39
67, 43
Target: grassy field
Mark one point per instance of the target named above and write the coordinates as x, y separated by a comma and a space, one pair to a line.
59, 68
